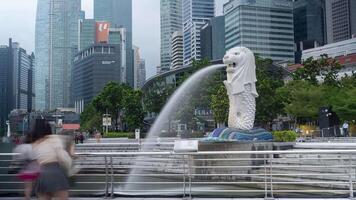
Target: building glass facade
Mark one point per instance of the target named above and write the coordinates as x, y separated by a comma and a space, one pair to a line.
196, 13
94, 67
309, 25
264, 26
340, 19
171, 21
56, 41
177, 50
16, 80
213, 39
86, 33
119, 14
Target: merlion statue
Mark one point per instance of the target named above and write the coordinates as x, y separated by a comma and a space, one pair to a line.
241, 88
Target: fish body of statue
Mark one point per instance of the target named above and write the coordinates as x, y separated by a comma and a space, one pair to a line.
241, 87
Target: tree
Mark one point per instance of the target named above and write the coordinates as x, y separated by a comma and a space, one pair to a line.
220, 106
268, 103
344, 103
133, 110
325, 68
110, 100
90, 119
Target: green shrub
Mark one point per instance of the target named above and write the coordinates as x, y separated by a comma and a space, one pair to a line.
119, 135
284, 136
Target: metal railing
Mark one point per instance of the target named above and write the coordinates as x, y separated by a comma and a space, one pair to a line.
238, 174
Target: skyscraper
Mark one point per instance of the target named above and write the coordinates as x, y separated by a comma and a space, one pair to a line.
86, 34
141, 73
212, 39
16, 80
264, 26
196, 13
171, 21
177, 50
119, 14
340, 19
55, 45
94, 67
309, 25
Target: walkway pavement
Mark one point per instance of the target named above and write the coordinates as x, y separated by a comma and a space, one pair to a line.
124, 198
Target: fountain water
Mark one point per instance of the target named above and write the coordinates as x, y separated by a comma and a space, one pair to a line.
175, 109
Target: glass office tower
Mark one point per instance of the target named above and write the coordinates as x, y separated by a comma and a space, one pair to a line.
171, 21
55, 45
196, 13
119, 14
264, 26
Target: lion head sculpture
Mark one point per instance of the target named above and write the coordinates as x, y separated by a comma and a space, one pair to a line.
241, 68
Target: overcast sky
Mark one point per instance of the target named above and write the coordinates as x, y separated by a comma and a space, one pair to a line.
17, 20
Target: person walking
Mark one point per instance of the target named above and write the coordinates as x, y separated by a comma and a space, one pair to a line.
81, 138
345, 129
54, 162
30, 168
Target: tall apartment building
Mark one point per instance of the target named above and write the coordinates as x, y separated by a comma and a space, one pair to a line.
119, 14
264, 26
16, 80
196, 13
55, 45
177, 50
171, 21
309, 25
340, 19
212, 39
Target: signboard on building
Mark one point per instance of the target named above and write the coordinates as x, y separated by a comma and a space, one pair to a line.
102, 32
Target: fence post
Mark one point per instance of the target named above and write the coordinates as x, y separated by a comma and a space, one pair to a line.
271, 174
190, 176
265, 168
106, 177
350, 178
184, 173
112, 177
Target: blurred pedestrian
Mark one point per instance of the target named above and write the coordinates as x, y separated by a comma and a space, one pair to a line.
54, 160
30, 169
97, 137
81, 138
345, 129
76, 138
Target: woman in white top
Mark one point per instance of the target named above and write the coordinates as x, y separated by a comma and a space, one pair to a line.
53, 159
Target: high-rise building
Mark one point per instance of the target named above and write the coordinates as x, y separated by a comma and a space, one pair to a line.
171, 21
340, 20
16, 80
139, 68
119, 14
55, 45
94, 32
264, 26
309, 25
177, 50
212, 39
141, 73
196, 13
136, 64
86, 33
93, 68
